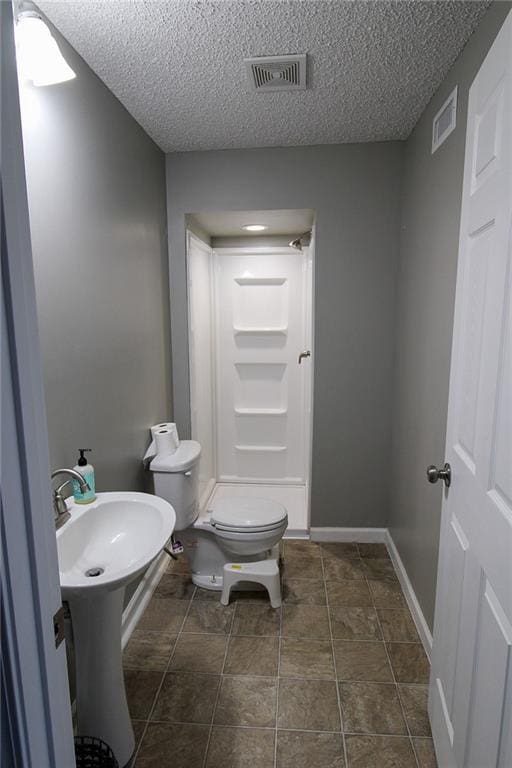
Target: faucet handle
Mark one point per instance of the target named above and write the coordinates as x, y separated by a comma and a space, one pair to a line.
60, 508
61, 487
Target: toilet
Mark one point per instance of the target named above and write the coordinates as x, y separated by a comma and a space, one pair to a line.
235, 541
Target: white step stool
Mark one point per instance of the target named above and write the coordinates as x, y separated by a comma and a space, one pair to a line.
265, 572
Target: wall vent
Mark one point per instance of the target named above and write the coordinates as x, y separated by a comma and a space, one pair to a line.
444, 121
277, 73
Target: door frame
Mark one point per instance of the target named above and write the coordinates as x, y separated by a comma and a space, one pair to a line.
34, 671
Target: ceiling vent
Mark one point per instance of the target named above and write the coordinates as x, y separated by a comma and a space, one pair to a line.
277, 73
445, 121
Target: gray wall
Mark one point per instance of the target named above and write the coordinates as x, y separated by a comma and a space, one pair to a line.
96, 187
432, 188
355, 192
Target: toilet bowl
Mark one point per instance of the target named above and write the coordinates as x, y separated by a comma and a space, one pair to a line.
240, 529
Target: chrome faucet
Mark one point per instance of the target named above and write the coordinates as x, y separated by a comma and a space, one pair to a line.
60, 510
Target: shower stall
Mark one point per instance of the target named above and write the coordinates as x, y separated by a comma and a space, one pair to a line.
250, 353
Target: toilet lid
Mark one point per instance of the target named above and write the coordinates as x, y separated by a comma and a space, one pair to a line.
243, 513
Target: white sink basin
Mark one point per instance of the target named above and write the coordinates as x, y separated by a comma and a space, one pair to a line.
103, 547
108, 543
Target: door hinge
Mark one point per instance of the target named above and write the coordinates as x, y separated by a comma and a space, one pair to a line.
59, 625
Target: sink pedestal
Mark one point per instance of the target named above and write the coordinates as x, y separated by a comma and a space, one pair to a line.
101, 705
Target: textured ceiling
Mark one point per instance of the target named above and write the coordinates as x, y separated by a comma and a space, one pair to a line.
178, 68
230, 223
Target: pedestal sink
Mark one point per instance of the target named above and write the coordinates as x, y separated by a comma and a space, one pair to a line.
103, 547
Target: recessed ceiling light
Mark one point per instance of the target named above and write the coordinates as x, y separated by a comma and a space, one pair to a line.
255, 227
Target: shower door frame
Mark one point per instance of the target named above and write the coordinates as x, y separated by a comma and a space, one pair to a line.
308, 298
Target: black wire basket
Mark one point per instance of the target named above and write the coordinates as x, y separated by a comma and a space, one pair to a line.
93, 753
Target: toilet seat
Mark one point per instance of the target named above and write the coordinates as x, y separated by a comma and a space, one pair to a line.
248, 515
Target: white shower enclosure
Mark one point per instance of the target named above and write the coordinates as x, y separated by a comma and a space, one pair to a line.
250, 321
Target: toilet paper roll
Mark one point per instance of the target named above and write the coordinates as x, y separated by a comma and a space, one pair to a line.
158, 427
165, 441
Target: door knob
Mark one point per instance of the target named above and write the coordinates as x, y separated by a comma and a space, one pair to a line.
445, 474
302, 355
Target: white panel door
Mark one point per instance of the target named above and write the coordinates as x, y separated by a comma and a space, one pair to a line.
471, 679
260, 298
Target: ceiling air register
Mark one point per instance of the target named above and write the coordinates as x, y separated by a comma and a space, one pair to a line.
277, 73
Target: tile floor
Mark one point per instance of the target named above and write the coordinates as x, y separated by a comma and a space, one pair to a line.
335, 679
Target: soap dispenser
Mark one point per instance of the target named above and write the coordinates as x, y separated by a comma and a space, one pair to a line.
87, 470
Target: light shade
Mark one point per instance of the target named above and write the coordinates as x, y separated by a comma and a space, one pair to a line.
37, 53
254, 227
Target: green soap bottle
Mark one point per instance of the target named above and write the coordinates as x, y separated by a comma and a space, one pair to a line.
87, 470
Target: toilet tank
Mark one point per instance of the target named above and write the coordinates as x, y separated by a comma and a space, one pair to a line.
176, 479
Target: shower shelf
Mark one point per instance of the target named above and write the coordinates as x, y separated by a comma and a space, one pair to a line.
260, 280
261, 411
259, 448
240, 331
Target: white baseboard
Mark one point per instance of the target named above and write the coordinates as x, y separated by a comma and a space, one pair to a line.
365, 535
410, 596
142, 595
296, 533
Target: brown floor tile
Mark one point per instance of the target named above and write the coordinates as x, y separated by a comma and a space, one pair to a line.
199, 653
138, 729
249, 596
148, 650
342, 549
354, 624
386, 594
351, 593
409, 662
208, 595
362, 661
241, 748
211, 618
252, 619
252, 656
300, 749
373, 550
168, 745
308, 705
187, 698
306, 658
307, 591
181, 565
425, 753
379, 752
379, 568
164, 614
414, 702
175, 585
297, 547
249, 701
398, 625
341, 568
141, 687
303, 567
371, 708
306, 621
